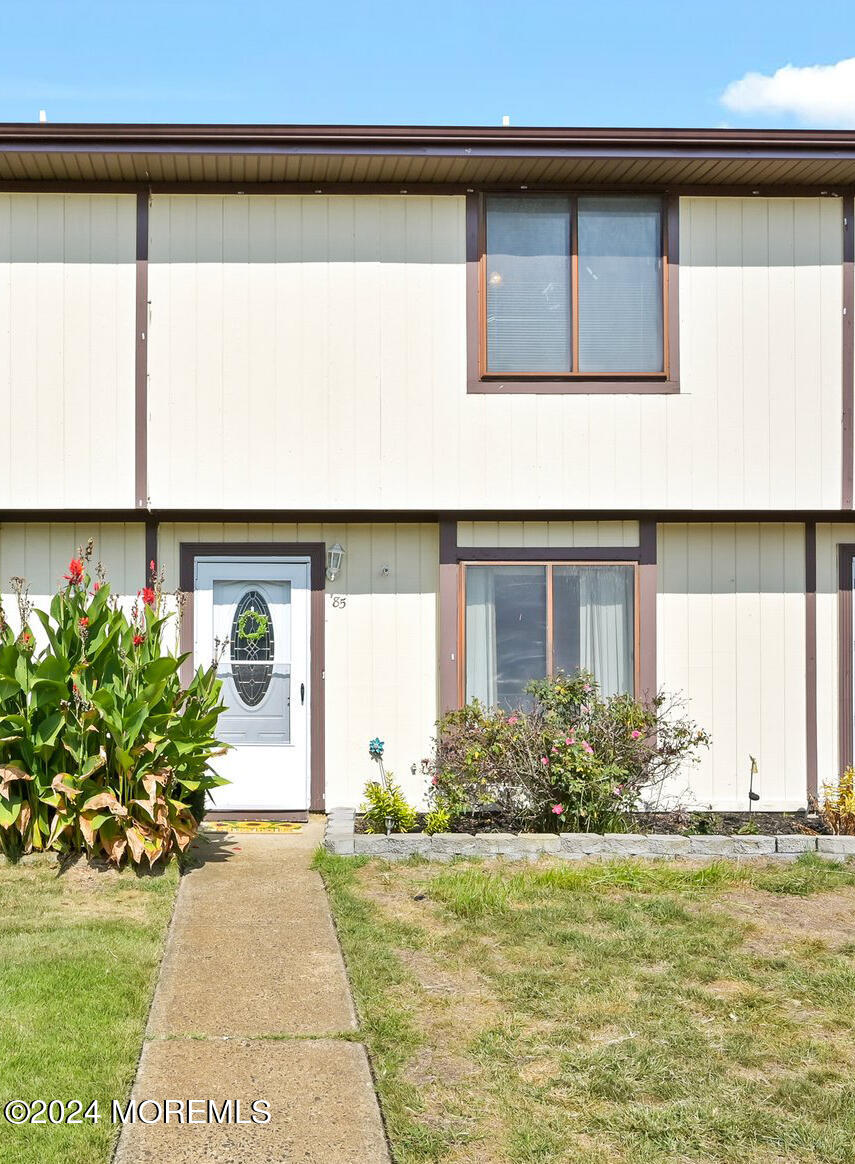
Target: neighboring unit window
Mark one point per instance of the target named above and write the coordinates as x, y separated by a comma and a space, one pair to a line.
573, 286
526, 622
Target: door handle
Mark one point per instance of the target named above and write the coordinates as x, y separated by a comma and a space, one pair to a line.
302, 692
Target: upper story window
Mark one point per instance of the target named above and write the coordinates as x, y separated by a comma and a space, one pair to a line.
574, 289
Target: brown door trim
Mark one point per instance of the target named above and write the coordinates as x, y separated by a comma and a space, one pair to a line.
316, 553
848, 356
810, 660
845, 558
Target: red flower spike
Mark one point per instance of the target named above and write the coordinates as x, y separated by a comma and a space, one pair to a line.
75, 572
84, 622
147, 595
138, 639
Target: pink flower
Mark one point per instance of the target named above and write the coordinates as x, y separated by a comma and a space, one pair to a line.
635, 735
558, 809
554, 750
544, 760
434, 780
569, 740
587, 747
513, 719
587, 687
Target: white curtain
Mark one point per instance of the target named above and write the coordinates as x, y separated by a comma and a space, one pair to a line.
481, 677
607, 625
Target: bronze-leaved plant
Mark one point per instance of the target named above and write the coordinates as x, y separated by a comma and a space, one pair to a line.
102, 748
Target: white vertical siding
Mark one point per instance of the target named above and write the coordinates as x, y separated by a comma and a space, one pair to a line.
67, 279
381, 647
39, 552
310, 352
731, 638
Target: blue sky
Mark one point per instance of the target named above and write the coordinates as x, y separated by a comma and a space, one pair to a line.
448, 62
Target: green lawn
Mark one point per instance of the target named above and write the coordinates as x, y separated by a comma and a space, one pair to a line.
79, 954
625, 1012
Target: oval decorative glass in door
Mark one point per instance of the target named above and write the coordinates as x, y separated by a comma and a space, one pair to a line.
251, 648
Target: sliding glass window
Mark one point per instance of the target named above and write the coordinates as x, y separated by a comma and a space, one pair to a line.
525, 622
573, 286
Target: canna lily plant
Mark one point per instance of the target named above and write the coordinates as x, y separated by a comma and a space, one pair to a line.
102, 749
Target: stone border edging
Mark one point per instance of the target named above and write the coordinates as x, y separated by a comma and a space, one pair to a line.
341, 838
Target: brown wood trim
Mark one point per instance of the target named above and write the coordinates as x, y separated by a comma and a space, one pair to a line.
647, 587
448, 616
547, 553
141, 357
480, 382
426, 516
316, 553
150, 551
451, 189
845, 558
848, 354
810, 659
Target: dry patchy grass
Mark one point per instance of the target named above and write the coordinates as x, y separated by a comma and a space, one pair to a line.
623, 1012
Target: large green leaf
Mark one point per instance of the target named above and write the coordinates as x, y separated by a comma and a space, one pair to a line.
10, 810
48, 730
159, 669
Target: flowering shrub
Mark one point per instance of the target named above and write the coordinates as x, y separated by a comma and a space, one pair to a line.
101, 747
578, 762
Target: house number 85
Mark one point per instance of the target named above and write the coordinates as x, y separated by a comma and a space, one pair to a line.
339, 601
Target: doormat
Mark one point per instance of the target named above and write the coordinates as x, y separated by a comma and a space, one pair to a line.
251, 826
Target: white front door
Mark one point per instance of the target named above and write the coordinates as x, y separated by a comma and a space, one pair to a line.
253, 614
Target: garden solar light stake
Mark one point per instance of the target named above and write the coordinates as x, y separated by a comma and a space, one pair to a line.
752, 795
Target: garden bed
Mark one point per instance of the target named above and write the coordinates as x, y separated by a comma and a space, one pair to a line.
684, 823
343, 839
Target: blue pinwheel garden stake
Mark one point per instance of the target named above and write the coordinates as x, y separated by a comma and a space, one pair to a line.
375, 750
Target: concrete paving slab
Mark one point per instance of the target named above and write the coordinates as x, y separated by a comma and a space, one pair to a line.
252, 951
322, 1104
278, 979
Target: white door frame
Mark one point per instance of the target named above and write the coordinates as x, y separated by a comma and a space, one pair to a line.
315, 552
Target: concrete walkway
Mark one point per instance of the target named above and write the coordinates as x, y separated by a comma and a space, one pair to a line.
251, 997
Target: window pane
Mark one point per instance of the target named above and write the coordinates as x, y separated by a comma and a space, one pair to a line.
505, 633
594, 623
620, 285
528, 285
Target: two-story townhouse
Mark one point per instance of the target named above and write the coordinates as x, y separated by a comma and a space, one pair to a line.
450, 408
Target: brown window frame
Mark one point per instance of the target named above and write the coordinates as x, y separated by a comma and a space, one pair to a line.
479, 380
550, 563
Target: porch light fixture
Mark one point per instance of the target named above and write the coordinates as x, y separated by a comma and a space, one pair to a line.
334, 556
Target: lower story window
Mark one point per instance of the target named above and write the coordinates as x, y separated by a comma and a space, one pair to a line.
525, 622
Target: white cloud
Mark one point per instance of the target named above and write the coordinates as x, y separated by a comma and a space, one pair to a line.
817, 95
